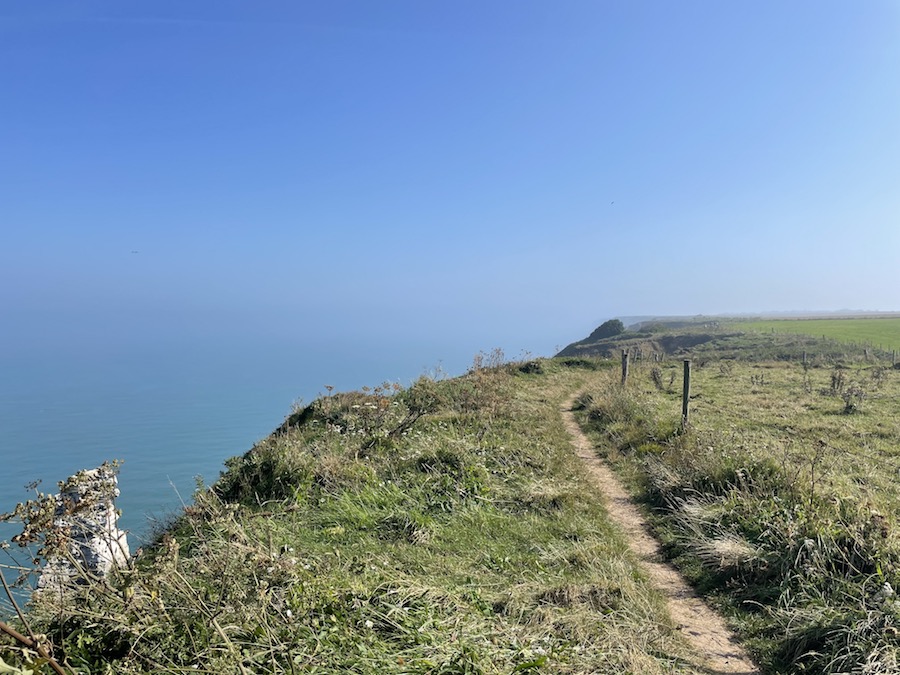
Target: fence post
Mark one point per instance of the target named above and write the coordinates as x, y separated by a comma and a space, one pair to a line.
686, 395
624, 365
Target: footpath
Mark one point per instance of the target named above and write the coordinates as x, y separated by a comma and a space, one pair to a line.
703, 628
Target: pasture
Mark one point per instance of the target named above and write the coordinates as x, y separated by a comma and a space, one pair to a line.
881, 333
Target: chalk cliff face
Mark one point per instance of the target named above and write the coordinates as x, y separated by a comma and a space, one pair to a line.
86, 518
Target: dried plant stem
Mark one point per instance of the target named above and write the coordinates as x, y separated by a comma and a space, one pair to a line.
17, 608
32, 644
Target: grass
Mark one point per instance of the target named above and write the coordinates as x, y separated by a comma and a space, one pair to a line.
717, 340
779, 501
876, 332
445, 528
448, 528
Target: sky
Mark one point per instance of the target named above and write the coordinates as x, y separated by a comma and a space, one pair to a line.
495, 173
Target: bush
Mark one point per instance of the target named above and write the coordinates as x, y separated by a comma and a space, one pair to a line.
607, 329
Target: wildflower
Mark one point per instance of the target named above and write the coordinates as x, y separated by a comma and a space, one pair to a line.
369, 623
886, 595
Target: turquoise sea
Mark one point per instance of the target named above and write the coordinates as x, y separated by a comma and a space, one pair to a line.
170, 410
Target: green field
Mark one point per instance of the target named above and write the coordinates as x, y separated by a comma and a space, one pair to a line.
876, 332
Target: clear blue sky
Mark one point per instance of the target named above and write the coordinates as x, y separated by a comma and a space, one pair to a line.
500, 173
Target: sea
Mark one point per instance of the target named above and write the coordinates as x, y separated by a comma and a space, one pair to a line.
171, 411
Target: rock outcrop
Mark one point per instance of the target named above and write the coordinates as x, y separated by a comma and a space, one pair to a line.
86, 527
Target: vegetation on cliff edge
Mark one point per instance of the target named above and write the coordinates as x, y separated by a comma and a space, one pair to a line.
443, 528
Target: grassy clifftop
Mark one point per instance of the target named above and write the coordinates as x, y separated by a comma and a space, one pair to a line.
779, 501
444, 528
449, 528
823, 341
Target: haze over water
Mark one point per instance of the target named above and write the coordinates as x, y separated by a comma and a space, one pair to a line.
171, 409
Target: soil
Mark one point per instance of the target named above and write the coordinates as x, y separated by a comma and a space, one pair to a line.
703, 628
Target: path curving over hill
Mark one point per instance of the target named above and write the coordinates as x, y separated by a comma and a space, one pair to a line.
703, 628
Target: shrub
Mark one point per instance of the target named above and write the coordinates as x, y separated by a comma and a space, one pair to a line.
607, 329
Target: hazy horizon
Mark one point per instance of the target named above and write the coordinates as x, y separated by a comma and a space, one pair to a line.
457, 176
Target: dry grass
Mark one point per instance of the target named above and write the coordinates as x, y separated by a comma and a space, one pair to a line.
779, 499
467, 542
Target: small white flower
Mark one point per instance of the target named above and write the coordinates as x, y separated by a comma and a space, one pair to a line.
369, 624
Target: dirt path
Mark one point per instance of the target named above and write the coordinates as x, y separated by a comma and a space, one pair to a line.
703, 628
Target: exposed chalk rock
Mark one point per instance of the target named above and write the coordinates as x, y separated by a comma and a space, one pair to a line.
87, 521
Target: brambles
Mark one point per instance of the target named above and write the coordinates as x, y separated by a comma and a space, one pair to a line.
853, 397
879, 376
807, 381
532, 368
585, 363
838, 382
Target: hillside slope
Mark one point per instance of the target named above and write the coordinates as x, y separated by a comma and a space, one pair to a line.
713, 340
445, 528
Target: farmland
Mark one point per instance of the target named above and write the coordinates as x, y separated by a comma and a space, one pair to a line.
879, 333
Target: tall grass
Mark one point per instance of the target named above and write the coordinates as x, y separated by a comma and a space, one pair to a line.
445, 528
778, 500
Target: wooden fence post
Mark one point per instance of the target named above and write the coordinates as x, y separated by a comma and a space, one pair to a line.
686, 395
624, 365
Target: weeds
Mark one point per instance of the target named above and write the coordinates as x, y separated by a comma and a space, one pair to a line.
657, 378
463, 540
853, 397
838, 382
771, 503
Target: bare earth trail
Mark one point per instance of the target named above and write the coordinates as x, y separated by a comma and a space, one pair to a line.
704, 629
